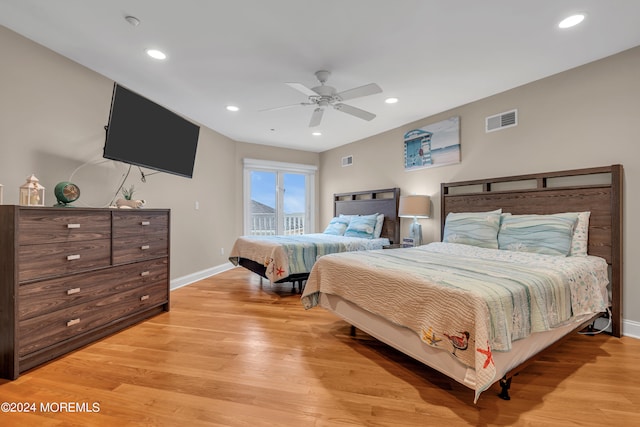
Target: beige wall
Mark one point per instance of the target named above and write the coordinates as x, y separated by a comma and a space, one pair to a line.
52, 117
584, 117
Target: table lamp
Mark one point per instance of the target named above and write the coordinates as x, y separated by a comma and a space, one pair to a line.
415, 206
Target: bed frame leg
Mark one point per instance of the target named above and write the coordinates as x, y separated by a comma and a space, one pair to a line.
298, 286
505, 383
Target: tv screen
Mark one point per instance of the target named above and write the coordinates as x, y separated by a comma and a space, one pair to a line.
142, 133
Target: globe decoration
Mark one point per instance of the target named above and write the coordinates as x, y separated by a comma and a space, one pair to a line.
66, 193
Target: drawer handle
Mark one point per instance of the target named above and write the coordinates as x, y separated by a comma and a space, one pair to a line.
145, 223
72, 257
144, 247
73, 322
73, 225
144, 297
144, 273
73, 291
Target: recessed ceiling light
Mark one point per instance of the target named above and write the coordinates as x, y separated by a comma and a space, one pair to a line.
316, 133
391, 100
232, 108
571, 21
156, 54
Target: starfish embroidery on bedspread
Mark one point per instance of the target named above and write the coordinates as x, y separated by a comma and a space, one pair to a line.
488, 354
279, 271
430, 337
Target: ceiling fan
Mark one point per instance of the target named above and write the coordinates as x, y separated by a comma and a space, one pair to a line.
324, 96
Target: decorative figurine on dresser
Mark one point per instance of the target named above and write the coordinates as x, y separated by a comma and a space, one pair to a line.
69, 277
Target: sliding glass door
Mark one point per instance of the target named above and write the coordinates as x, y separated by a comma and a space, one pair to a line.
278, 198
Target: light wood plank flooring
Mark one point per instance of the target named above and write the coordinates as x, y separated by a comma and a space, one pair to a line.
234, 353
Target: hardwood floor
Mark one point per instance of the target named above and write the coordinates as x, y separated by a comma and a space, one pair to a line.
233, 353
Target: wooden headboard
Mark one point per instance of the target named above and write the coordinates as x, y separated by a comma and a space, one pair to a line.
384, 201
598, 190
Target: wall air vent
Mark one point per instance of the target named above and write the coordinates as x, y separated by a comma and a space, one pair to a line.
347, 161
501, 121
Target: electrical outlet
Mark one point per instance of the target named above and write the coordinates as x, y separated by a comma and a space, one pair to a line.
197, 205
221, 251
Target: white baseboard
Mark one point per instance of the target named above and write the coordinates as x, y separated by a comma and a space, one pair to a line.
631, 328
199, 275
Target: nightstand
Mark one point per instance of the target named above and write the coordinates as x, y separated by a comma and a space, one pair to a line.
392, 246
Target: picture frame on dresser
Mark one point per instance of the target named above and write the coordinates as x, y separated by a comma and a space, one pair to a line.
69, 277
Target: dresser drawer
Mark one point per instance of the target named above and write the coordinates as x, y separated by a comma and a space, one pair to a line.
53, 259
38, 227
139, 223
44, 331
134, 248
47, 296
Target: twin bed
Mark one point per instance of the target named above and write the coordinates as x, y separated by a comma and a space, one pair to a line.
484, 302
290, 258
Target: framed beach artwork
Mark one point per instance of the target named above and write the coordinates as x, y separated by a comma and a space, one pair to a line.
433, 145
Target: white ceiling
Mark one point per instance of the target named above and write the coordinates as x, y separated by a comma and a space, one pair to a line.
431, 54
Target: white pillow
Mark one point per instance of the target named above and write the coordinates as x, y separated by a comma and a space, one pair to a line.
580, 238
378, 229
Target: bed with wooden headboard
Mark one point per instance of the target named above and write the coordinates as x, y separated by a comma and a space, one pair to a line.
333, 282
258, 254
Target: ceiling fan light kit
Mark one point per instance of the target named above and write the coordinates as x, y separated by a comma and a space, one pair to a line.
324, 96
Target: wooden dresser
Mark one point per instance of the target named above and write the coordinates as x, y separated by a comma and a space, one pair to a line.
70, 276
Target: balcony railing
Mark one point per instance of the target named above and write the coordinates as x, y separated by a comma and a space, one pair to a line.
264, 224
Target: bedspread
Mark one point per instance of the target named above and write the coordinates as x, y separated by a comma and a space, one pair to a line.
466, 300
286, 255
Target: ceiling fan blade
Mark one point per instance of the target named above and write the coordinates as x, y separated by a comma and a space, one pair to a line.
357, 92
316, 117
357, 112
286, 106
302, 88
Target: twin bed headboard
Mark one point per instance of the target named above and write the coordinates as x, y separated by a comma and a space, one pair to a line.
597, 190
383, 201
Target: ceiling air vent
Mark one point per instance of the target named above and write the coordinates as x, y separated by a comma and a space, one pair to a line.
501, 121
347, 161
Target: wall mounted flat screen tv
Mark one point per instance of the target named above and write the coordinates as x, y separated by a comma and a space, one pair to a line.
143, 133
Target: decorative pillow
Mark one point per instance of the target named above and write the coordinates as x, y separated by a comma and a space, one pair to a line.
473, 228
379, 221
543, 234
337, 226
580, 238
378, 230
362, 226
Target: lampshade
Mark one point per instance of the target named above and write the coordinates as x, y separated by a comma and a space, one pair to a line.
415, 206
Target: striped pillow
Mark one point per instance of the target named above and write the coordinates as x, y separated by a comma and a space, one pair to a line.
542, 234
337, 226
362, 226
473, 228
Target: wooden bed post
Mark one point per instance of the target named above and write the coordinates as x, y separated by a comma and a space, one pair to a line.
616, 250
